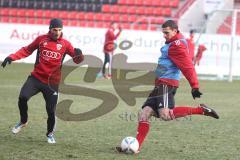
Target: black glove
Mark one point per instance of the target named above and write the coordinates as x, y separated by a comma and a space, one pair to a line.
196, 93
6, 60
77, 51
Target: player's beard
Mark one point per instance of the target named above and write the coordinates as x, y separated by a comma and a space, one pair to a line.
55, 36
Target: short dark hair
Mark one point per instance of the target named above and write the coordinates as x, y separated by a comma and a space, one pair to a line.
170, 23
192, 31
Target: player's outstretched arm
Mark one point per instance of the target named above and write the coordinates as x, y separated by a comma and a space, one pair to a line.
21, 53
6, 61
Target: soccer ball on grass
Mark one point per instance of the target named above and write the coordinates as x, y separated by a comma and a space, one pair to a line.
130, 145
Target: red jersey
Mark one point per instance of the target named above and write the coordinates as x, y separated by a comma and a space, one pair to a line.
50, 55
178, 53
109, 40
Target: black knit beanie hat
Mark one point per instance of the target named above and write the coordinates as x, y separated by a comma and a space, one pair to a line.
55, 23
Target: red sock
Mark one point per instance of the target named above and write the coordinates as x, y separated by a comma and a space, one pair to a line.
143, 128
185, 111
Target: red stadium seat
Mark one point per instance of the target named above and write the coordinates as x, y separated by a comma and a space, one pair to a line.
115, 9
63, 14
39, 21
143, 27
131, 2
153, 28
13, 12
101, 25
149, 10
80, 15
157, 3
4, 11
47, 14
148, 3
106, 8
123, 9
139, 2
38, 13
132, 18
22, 20
73, 23
174, 3
4, 19
53, 14
116, 17
140, 10
89, 16
72, 15
31, 20
107, 17
83, 23
158, 12
157, 20
13, 19
131, 10
166, 12
124, 18
135, 27
122, 1
21, 12
99, 17
90, 24
125, 25
29, 13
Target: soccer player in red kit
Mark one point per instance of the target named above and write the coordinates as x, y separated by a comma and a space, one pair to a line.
108, 49
45, 77
160, 103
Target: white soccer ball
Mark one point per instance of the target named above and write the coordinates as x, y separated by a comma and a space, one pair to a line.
130, 145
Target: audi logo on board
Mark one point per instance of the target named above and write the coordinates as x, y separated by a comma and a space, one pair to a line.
51, 54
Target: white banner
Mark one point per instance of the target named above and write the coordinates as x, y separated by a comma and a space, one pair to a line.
146, 45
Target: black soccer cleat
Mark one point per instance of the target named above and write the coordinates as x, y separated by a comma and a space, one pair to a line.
119, 149
208, 111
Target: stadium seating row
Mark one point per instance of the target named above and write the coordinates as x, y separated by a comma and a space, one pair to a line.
161, 11
39, 13
74, 15
57, 4
83, 23
54, 5
155, 3
143, 13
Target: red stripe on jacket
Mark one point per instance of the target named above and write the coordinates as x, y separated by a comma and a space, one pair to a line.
179, 54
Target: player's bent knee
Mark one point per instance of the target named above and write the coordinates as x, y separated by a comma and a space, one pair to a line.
164, 114
146, 114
